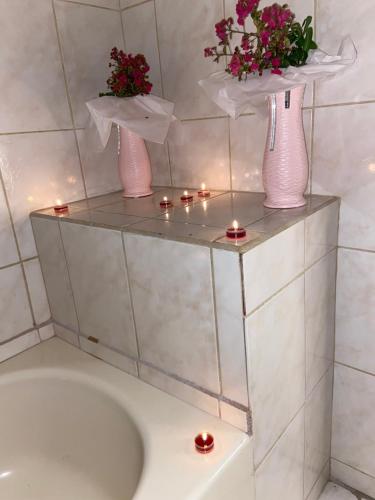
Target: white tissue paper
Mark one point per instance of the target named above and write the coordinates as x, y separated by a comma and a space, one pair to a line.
234, 96
148, 116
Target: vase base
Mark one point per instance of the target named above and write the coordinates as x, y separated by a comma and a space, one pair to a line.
299, 203
137, 195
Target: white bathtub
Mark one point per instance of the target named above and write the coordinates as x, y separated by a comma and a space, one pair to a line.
74, 428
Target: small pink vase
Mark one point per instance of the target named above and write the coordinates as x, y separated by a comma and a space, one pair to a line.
285, 165
134, 165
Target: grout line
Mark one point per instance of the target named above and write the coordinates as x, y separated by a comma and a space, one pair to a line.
318, 479
122, 30
365, 372
353, 249
230, 156
41, 131
33, 329
77, 2
158, 49
351, 467
135, 5
218, 357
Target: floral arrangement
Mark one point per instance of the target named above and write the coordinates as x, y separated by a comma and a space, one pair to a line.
277, 42
129, 75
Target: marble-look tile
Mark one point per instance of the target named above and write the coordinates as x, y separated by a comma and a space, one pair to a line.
100, 168
355, 311
110, 356
55, 271
38, 169
320, 295
276, 365
282, 470
181, 50
18, 345
8, 254
37, 290
199, 152
159, 158
100, 285
353, 440
141, 38
247, 142
347, 171
353, 478
230, 326
320, 483
318, 418
179, 390
335, 492
103, 219
46, 332
270, 266
178, 332
335, 20
67, 335
321, 230
234, 416
15, 311
87, 36
33, 89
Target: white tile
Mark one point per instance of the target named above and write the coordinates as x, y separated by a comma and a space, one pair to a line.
100, 285
46, 332
334, 21
37, 289
320, 295
100, 168
33, 90
8, 254
110, 356
318, 418
353, 440
172, 282
55, 272
159, 158
347, 171
67, 335
335, 492
320, 484
179, 390
233, 416
230, 325
181, 50
87, 36
199, 152
38, 169
321, 233
18, 345
273, 264
141, 38
15, 311
353, 478
355, 312
282, 471
276, 365
247, 141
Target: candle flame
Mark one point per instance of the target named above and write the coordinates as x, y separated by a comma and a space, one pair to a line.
58, 202
235, 224
186, 193
204, 436
203, 186
165, 198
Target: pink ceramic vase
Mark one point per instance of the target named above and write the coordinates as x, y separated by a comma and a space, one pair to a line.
134, 165
285, 166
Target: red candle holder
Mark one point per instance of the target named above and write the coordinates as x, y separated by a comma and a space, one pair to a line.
203, 192
60, 209
235, 232
165, 203
186, 197
204, 442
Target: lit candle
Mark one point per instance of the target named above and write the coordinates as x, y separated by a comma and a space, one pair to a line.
235, 232
204, 442
187, 197
203, 192
60, 207
165, 203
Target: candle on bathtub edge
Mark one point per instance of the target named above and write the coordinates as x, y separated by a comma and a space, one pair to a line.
204, 442
235, 232
203, 192
165, 203
60, 207
187, 197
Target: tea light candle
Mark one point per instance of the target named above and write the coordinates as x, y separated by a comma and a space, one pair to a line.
204, 442
235, 232
187, 197
60, 207
165, 203
203, 192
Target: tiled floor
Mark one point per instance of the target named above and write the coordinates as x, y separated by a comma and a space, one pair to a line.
334, 492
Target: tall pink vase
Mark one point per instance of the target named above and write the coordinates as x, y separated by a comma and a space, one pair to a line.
285, 166
134, 165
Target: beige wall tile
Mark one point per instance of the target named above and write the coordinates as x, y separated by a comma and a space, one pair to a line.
8, 254
353, 478
19, 345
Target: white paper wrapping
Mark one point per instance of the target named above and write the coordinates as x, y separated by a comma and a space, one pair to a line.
234, 96
148, 116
